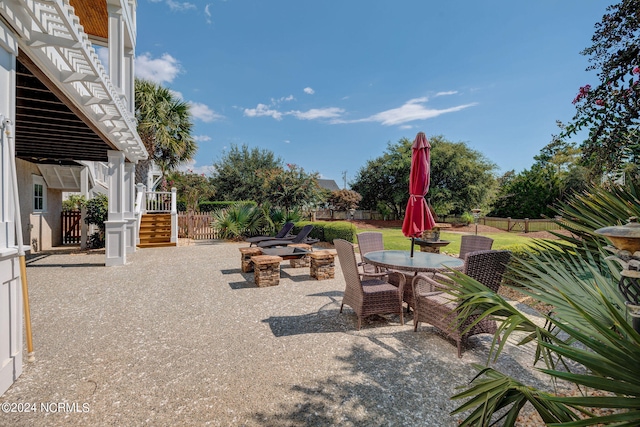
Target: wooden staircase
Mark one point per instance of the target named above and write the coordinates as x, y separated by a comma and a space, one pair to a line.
155, 231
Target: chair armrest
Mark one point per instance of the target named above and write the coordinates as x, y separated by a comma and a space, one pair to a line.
397, 279
372, 275
422, 284
443, 279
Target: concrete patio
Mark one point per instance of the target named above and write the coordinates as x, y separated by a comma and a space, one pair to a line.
180, 336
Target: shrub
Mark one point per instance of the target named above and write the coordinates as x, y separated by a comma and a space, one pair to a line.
238, 221
327, 231
467, 218
97, 214
340, 230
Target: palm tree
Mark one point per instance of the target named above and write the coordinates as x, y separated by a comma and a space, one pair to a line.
588, 340
164, 125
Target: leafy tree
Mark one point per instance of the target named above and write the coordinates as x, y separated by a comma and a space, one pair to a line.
74, 202
191, 188
291, 188
460, 177
343, 200
525, 195
238, 174
553, 177
611, 109
164, 125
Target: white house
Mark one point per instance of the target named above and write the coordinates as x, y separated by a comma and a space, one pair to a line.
72, 123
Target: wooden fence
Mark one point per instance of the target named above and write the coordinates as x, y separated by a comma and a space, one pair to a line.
71, 227
196, 226
358, 214
520, 225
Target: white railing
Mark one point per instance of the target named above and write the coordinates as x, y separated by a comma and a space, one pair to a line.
101, 172
158, 201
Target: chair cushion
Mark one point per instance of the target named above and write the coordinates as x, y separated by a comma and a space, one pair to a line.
375, 285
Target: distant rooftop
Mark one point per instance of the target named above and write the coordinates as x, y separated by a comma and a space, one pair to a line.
328, 184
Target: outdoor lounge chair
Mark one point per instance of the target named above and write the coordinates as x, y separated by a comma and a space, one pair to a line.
435, 306
370, 296
301, 237
472, 243
283, 234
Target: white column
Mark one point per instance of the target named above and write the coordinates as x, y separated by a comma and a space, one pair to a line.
116, 47
84, 191
116, 226
129, 78
129, 204
141, 198
11, 309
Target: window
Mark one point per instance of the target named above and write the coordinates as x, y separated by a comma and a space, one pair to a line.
39, 194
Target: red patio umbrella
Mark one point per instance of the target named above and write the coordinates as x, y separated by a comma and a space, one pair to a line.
418, 216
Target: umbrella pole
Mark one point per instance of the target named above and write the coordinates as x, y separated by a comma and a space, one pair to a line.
412, 242
19, 238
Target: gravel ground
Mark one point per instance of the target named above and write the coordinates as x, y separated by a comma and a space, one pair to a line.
180, 336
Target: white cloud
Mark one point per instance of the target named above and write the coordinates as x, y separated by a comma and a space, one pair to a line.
190, 167
317, 113
281, 100
263, 110
286, 141
309, 91
207, 12
159, 70
180, 6
412, 110
203, 112
176, 94
202, 138
103, 56
445, 93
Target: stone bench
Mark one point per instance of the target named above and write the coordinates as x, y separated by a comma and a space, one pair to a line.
266, 270
322, 265
245, 258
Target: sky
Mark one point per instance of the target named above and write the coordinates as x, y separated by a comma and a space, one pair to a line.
327, 85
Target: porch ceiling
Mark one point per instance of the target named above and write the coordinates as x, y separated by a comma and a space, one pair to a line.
47, 130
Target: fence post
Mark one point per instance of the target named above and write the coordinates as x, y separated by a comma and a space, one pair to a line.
526, 225
508, 223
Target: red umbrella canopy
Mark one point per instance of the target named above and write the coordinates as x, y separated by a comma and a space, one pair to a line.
418, 217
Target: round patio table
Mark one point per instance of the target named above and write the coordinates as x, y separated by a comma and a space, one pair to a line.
420, 262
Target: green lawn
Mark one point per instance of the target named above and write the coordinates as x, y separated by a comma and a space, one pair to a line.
394, 239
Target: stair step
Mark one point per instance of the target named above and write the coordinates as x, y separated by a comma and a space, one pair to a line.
155, 231
156, 245
150, 237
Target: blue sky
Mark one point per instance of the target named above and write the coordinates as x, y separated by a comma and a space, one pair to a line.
328, 84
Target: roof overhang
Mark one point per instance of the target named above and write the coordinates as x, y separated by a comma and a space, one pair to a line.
55, 49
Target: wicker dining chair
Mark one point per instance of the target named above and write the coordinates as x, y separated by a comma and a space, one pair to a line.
369, 241
369, 296
472, 243
435, 306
